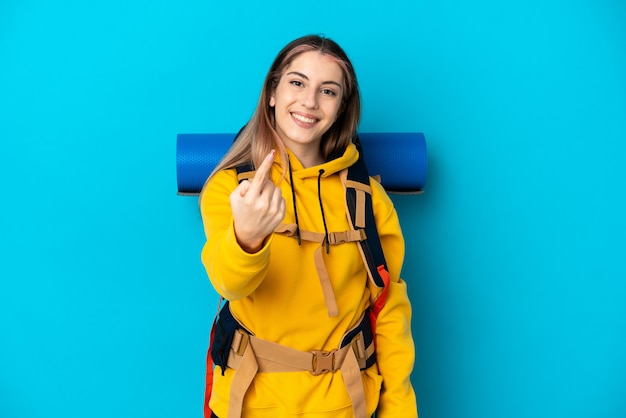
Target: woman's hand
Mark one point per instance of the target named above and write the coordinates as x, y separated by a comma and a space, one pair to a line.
258, 207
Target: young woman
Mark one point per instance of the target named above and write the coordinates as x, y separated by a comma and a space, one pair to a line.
294, 339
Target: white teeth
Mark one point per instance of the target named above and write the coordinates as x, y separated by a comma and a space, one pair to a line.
302, 118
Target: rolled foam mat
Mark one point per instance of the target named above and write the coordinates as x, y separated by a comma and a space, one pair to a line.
399, 158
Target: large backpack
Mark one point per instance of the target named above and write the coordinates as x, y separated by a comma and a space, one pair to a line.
360, 214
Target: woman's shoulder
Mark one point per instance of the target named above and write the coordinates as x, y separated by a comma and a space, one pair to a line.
225, 176
381, 201
378, 191
224, 181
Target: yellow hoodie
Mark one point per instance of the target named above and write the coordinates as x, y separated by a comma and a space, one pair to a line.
276, 294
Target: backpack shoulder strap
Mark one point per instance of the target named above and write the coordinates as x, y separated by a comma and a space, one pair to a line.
245, 171
361, 214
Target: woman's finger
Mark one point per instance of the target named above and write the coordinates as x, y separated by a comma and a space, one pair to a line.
262, 173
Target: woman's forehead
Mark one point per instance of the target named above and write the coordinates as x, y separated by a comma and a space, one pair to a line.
314, 64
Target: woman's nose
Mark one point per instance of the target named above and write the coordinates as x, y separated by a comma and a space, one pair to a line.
309, 99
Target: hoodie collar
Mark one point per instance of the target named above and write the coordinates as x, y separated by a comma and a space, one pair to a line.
349, 157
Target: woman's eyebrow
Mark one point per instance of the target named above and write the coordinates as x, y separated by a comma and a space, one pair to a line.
306, 78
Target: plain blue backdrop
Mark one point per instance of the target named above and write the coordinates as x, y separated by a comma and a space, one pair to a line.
515, 253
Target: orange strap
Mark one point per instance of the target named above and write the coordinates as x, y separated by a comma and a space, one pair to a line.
380, 301
208, 388
209, 375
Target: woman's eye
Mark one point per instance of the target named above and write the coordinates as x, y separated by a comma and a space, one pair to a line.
296, 83
328, 92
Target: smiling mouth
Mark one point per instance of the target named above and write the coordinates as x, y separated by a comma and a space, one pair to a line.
303, 119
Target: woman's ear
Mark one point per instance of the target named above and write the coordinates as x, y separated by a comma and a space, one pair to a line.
272, 101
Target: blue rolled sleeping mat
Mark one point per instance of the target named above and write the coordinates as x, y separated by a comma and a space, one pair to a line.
398, 158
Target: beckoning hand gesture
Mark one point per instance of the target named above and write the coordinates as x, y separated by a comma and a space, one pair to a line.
258, 207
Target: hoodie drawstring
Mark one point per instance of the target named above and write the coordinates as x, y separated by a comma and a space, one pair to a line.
293, 197
319, 198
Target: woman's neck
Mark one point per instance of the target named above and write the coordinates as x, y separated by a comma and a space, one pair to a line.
307, 157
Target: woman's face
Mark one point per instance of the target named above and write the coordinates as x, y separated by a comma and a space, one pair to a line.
307, 102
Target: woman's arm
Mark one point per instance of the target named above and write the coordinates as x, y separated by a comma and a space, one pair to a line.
395, 350
233, 272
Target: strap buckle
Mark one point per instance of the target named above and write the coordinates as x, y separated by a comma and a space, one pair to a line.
358, 346
354, 235
240, 342
322, 362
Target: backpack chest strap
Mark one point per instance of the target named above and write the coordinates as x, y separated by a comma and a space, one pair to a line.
334, 238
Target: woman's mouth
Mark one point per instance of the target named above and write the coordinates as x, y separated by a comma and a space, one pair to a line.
303, 119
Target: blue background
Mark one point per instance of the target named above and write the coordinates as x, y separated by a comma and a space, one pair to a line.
515, 254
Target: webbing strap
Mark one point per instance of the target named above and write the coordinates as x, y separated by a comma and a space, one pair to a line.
360, 190
274, 357
354, 385
241, 382
327, 287
334, 238
360, 213
351, 211
250, 355
359, 219
245, 175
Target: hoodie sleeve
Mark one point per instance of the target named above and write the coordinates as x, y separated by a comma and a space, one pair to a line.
395, 350
233, 272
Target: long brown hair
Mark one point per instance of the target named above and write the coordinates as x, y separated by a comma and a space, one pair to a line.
259, 136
